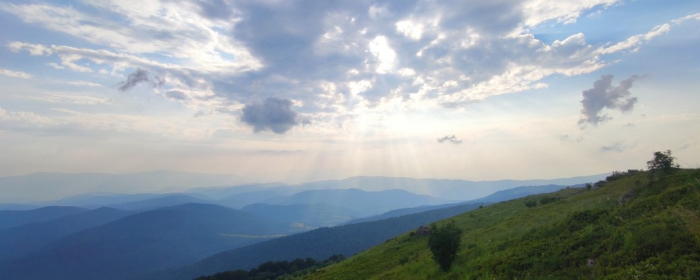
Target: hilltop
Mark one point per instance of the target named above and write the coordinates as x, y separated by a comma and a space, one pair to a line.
630, 226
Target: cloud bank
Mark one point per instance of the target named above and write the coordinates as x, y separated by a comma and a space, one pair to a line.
339, 60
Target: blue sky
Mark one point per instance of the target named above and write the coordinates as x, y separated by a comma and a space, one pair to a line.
305, 90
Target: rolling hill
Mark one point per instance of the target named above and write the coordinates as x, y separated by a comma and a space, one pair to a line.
23, 240
13, 218
159, 202
143, 242
519, 192
631, 227
492, 198
456, 190
363, 202
318, 244
302, 216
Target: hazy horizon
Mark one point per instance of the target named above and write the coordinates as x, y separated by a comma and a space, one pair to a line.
309, 181
49, 187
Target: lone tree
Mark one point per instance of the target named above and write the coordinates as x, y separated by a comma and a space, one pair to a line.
444, 243
662, 161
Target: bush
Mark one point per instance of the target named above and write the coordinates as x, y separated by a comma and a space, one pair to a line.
530, 204
548, 199
663, 161
444, 243
615, 175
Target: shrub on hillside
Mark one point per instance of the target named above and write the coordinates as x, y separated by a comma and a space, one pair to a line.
548, 199
444, 243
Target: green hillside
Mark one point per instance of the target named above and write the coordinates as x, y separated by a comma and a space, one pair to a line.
577, 233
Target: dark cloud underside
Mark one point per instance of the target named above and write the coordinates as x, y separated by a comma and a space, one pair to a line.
274, 114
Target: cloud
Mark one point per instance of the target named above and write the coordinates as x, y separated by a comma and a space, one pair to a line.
176, 94
680, 20
221, 54
274, 114
569, 138
69, 98
83, 84
140, 75
603, 96
14, 74
684, 147
24, 121
179, 30
635, 41
33, 49
450, 139
615, 147
565, 11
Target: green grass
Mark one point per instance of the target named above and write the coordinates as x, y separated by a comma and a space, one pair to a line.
656, 235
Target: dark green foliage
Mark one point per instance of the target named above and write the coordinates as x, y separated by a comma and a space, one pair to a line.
530, 203
275, 270
586, 235
663, 161
548, 199
615, 175
656, 235
599, 184
514, 193
589, 186
444, 243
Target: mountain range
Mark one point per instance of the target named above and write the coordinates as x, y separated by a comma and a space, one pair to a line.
199, 230
89, 188
143, 242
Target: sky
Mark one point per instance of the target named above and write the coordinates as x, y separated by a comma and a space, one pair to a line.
296, 91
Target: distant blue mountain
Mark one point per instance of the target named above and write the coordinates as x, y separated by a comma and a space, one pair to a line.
27, 239
519, 192
39, 187
221, 192
13, 218
16, 206
362, 202
401, 212
456, 190
302, 216
144, 242
160, 201
96, 200
252, 197
498, 196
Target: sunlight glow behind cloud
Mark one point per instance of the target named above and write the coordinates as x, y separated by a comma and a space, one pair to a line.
370, 77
